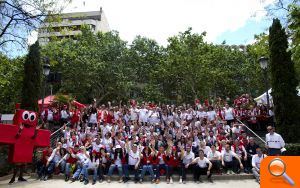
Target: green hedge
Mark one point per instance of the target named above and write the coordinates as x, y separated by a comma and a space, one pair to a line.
5, 167
292, 149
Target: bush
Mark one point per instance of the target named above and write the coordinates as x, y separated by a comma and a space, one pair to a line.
293, 149
5, 167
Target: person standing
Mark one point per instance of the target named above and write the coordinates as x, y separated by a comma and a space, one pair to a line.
274, 142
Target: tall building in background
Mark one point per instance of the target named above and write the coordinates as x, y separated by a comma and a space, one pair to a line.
70, 24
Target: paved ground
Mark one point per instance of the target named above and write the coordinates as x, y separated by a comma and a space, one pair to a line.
57, 183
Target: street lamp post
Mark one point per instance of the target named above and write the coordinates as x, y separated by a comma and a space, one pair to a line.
263, 62
46, 71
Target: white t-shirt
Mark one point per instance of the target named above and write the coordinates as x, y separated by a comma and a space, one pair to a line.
154, 117
133, 158
206, 150
143, 115
96, 146
236, 130
93, 164
202, 114
93, 118
211, 155
256, 160
188, 158
134, 114
202, 163
83, 158
227, 156
211, 115
275, 141
228, 113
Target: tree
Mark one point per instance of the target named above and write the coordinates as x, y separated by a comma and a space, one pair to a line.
20, 17
32, 79
11, 76
294, 28
284, 84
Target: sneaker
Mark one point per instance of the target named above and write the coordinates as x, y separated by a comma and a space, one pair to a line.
200, 180
46, 178
171, 180
157, 181
231, 172
141, 181
120, 180
108, 180
180, 180
94, 182
12, 181
125, 180
168, 181
81, 178
210, 180
227, 172
66, 178
153, 181
86, 182
73, 180
184, 182
101, 180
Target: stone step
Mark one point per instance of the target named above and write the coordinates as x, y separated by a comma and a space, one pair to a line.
175, 177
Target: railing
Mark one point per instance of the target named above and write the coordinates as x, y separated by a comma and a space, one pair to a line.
56, 135
252, 131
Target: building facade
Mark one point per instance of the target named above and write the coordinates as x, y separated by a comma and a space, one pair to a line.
69, 25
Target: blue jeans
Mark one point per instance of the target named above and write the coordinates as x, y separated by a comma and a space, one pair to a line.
67, 169
62, 166
147, 168
113, 167
84, 172
131, 167
158, 168
81, 170
95, 173
50, 168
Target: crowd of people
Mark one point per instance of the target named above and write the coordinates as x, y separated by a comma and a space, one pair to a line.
145, 138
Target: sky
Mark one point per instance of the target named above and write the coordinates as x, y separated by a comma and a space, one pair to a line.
233, 21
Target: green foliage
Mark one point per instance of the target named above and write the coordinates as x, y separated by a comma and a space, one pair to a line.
32, 79
284, 84
293, 149
11, 76
61, 99
294, 27
104, 67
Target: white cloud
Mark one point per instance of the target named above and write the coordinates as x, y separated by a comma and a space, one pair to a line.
32, 37
160, 19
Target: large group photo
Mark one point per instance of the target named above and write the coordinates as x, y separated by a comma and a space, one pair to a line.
149, 93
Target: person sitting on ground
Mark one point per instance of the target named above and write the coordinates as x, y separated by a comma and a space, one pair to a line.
256, 160
134, 158
187, 157
147, 163
83, 160
214, 157
227, 160
116, 163
93, 165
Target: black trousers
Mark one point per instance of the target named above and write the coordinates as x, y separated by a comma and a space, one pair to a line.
216, 165
185, 170
200, 171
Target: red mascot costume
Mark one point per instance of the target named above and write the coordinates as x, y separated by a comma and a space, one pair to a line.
22, 137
